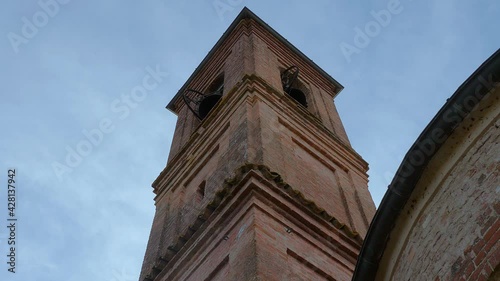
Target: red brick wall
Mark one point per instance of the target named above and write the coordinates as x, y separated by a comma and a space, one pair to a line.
261, 234
456, 236
239, 130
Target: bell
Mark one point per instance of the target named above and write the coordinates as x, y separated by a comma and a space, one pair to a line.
298, 95
206, 104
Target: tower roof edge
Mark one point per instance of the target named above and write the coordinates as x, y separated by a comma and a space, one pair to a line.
246, 13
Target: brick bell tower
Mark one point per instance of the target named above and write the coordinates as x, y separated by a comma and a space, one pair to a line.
261, 182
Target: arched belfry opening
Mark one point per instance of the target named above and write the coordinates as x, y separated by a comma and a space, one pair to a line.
240, 160
292, 85
200, 104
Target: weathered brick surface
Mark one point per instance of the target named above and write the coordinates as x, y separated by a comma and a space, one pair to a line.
256, 123
154, 242
319, 167
259, 234
457, 235
281, 244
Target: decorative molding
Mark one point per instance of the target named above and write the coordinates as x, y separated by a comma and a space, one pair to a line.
228, 191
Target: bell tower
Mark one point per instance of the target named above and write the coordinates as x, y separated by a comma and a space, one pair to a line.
261, 181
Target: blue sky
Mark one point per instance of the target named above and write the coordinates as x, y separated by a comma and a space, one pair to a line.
70, 69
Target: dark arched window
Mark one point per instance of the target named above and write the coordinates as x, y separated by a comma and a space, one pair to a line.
292, 86
200, 103
217, 85
212, 96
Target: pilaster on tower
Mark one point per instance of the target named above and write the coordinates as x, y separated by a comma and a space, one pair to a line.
261, 175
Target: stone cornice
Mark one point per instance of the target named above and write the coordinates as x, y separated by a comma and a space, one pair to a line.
215, 124
222, 198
